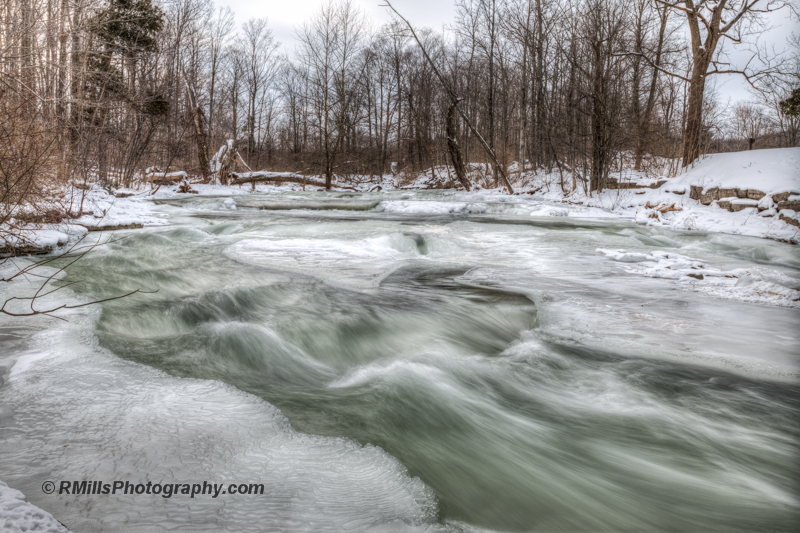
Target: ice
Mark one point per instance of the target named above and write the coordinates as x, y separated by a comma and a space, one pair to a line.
551, 211
90, 415
755, 284
431, 207
359, 262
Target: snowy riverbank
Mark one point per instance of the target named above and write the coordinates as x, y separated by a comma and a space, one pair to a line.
751, 193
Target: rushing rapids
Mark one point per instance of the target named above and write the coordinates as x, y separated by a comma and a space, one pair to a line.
415, 361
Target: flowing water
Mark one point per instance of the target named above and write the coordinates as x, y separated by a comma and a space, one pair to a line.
411, 361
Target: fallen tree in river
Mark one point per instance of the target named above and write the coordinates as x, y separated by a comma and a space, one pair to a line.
240, 178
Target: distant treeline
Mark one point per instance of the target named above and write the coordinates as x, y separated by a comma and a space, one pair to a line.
101, 89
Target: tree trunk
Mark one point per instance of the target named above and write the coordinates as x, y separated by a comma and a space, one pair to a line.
455, 150
644, 125
201, 133
694, 115
598, 119
491, 91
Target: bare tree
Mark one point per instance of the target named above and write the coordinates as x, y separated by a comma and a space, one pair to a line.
710, 23
258, 50
331, 52
750, 122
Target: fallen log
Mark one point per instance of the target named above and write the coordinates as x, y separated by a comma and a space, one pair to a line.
164, 178
240, 178
111, 227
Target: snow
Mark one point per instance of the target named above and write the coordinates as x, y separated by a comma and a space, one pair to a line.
216, 162
769, 171
670, 206
178, 175
44, 236
754, 285
16, 514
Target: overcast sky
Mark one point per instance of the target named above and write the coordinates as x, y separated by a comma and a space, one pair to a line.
286, 15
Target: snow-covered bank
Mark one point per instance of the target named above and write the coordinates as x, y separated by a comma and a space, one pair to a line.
767, 180
101, 210
754, 193
770, 171
16, 514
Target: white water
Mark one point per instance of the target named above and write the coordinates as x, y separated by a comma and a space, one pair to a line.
415, 366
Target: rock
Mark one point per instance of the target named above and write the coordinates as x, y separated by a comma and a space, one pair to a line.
710, 196
739, 204
124, 194
728, 193
657, 184
789, 220
615, 184
754, 194
725, 204
695, 276
794, 205
695, 192
780, 197
765, 203
742, 193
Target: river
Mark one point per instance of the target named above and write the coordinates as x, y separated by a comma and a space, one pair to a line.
413, 362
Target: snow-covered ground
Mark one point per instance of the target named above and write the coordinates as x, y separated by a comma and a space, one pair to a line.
768, 171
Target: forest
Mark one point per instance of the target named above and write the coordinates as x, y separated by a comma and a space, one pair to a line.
102, 90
